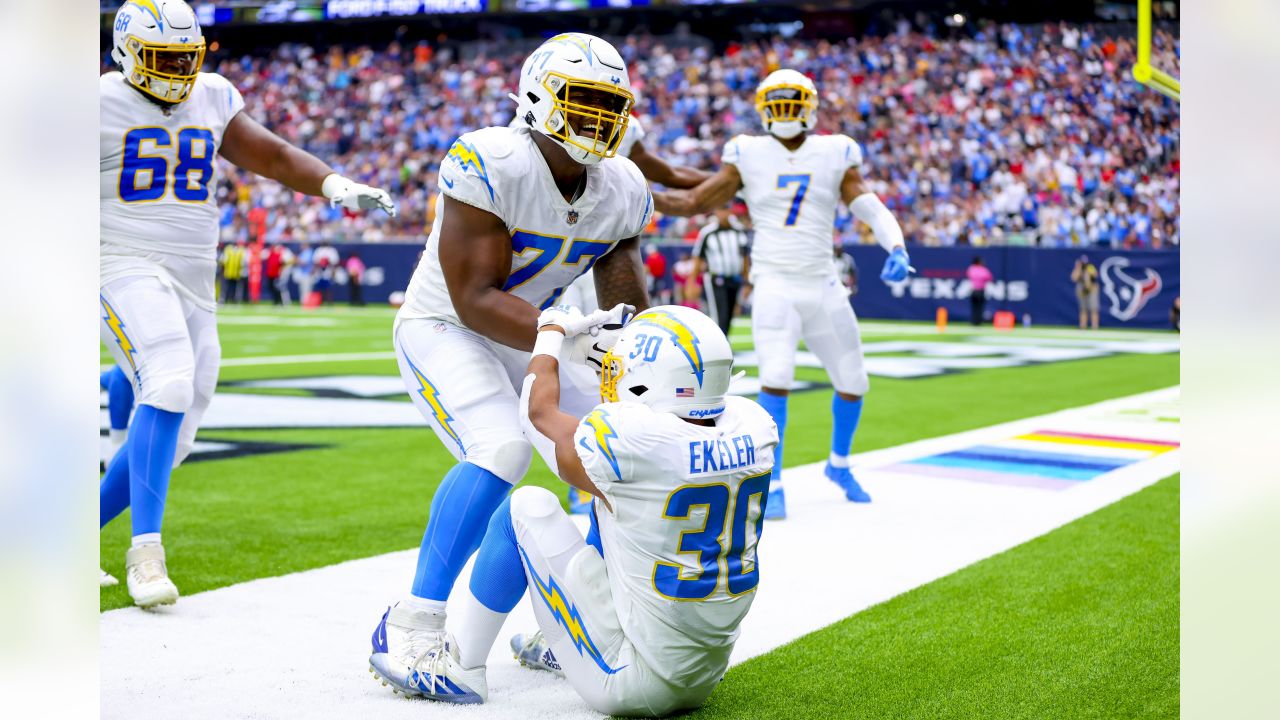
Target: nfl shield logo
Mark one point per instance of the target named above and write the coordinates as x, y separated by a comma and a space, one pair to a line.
571, 217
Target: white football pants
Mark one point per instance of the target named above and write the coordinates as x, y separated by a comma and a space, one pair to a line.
166, 344
575, 609
467, 387
786, 309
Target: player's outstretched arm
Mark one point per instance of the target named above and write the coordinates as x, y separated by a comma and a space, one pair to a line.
249, 145
867, 207
619, 277
540, 400
707, 196
657, 170
475, 254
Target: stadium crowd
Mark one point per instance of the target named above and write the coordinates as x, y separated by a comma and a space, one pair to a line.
1015, 134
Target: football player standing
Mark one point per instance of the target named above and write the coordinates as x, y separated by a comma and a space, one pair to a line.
522, 212
791, 181
162, 122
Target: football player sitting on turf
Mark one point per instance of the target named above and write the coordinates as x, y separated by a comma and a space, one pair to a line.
521, 213
641, 616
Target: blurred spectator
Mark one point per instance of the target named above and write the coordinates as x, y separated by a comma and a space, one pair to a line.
1175, 314
1085, 277
655, 265
846, 269
355, 276
688, 284
234, 261
303, 272
978, 276
278, 261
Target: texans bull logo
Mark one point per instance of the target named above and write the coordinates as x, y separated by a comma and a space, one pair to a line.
1126, 293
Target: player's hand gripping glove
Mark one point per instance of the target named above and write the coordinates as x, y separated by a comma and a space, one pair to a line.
354, 196
896, 266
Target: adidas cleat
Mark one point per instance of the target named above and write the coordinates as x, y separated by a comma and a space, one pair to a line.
533, 652
775, 506
844, 478
413, 655
106, 579
147, 576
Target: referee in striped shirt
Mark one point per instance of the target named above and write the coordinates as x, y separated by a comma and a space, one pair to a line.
722, 256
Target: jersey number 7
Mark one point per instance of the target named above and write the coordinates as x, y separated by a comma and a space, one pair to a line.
802, 185
144, 177
735, 563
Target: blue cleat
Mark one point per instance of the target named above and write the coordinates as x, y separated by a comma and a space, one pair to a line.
579, 502
413, 654
775, 506
842, 477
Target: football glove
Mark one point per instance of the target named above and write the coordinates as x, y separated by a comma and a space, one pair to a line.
589, 348
897, 266
354, 196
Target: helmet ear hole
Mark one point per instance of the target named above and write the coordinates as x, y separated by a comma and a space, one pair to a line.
532, 98
639, 390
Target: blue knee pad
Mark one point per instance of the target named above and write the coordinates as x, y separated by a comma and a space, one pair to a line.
460, 512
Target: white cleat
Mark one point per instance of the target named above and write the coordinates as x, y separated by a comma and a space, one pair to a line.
413, 654
147, 576
106, 579
533, 652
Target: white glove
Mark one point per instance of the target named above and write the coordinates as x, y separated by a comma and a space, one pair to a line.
589, 347
354, 196
573, 322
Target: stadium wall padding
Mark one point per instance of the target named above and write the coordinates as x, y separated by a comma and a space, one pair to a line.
1137, 287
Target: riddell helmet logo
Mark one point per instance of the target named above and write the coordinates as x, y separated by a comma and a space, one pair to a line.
1126, 293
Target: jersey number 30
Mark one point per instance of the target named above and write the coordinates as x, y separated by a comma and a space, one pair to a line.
144, 173
735, 562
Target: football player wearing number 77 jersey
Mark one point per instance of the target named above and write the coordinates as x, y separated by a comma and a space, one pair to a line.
792, 181
521, 213
641, 616
162, 123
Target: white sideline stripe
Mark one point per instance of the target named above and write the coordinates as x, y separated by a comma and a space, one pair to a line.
296, 646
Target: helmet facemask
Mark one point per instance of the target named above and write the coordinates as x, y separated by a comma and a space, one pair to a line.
611, 371
787, 110
164, 71
600, 110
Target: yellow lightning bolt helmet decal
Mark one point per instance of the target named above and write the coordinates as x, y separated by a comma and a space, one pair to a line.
150, 7
431, 396
598, 421
567, 616
116, 325
681, 336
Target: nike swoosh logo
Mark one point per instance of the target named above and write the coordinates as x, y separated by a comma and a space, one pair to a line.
447, 182
578, 60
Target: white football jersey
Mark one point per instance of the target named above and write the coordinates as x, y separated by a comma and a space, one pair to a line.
680, 544
159, 173
792, 198
501, 171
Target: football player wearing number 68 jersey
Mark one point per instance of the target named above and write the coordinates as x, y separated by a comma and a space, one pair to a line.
640, 616
792, 180
521, 213
162, 124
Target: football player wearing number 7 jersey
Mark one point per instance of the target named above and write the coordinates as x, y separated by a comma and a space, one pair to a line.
641, 616
521, 213
162, 122
792, 181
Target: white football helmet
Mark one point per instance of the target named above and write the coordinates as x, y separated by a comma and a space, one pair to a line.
788, 103
673, 359
574, 89
160, 47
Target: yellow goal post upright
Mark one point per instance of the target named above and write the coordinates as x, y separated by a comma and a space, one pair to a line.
1153, 78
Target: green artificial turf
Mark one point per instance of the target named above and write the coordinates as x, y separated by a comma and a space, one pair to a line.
1079, 623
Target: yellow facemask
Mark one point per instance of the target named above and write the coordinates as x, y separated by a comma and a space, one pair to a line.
610, 373
610, 125
786, 103
147, 77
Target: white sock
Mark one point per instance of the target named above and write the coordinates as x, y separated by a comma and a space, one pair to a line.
417, 603
477, 632
146, 539
840, 461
